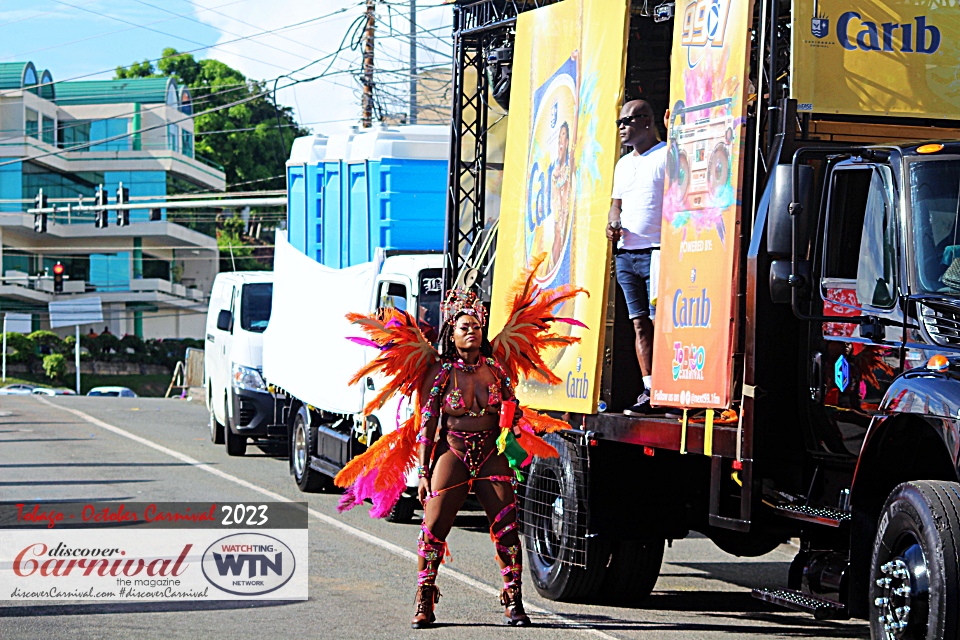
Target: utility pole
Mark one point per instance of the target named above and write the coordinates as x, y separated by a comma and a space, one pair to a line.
368, 64
413, 62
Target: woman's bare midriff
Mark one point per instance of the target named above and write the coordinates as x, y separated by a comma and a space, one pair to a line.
470, 423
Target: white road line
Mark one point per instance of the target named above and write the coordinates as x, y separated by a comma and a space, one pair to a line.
396, 550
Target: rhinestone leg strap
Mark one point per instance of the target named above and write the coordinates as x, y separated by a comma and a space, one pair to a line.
510, 554
430, 549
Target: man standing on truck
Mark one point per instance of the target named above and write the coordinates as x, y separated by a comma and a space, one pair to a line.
634, 224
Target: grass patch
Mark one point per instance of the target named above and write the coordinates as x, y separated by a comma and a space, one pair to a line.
151, 386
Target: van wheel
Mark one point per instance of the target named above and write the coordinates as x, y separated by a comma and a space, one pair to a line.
564, 563
302, 447
236, 442
915, 572
216, 429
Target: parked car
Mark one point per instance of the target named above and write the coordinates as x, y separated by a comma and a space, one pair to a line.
114, 392
47, 391
17, 389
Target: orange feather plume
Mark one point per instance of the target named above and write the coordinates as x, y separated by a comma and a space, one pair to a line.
527, 330
406, 360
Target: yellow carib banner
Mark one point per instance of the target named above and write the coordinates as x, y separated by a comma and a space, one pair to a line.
693, 343
562, 146
873, 57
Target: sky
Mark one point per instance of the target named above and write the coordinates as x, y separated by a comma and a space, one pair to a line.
88, 39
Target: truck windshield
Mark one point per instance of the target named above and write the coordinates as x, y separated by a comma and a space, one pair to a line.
255, 306
935, 204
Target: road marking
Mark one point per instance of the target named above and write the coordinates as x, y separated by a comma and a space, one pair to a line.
396, 550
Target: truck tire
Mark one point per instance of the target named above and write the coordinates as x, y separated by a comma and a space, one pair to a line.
402, 512
303, 445
564, 564
632, 571
236, 442
915, 572
216, 429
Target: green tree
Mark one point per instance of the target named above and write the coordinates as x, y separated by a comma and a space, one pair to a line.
259, 131
55, 366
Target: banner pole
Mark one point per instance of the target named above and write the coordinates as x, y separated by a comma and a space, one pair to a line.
4, 347
76, 358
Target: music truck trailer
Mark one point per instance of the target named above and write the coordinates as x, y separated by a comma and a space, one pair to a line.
846, 362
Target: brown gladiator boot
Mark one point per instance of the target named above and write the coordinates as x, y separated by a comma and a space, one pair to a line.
512, 601
427, 596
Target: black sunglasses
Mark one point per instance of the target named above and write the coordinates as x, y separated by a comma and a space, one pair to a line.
622, 122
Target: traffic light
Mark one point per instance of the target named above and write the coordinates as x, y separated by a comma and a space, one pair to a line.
58, 278
40, 217
101, 221
123, 197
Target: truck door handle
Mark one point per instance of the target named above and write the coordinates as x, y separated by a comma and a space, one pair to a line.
816, 378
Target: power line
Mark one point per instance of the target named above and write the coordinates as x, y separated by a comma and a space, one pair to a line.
294, 25
157, 126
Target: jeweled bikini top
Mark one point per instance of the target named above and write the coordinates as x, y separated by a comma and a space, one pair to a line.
454, 403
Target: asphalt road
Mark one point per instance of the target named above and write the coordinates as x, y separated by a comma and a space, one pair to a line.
361, 571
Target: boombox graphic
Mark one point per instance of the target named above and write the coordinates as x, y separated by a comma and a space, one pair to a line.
699, 154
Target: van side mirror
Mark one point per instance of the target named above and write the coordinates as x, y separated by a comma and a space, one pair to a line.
779, 224
225, 320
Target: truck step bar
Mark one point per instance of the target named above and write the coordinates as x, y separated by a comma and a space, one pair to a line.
821, 608
818, 515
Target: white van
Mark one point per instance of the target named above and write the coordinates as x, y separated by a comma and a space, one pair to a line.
240, 405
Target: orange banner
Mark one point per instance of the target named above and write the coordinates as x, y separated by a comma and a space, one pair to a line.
696, 306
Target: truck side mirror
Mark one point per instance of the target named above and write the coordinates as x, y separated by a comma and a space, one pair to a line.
780, 290
224, 320
779, 224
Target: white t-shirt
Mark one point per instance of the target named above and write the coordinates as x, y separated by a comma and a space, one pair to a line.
638, 184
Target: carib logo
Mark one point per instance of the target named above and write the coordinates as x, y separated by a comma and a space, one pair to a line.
854, 33
704, 23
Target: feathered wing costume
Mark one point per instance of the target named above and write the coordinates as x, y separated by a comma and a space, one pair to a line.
379, 474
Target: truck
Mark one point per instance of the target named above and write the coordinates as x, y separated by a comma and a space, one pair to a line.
364, 232
841, 429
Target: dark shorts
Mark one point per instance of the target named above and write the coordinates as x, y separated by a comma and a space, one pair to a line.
633, 274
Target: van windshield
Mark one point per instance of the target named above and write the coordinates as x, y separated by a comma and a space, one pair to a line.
935, 204
255, 306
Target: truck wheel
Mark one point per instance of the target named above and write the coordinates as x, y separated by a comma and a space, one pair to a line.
304, 445
632, 571
564, 563
236, 443
216, 429
402, 512
915, 573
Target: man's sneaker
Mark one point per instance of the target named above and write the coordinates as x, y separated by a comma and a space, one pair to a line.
642, 408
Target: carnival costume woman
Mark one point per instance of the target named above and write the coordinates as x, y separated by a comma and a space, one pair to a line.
462, 389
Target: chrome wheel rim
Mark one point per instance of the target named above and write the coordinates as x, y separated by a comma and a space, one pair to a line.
299, 450
903, 604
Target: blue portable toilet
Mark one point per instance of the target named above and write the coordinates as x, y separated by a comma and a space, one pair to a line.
353, 192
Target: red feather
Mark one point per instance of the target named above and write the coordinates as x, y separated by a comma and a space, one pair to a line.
527, 330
